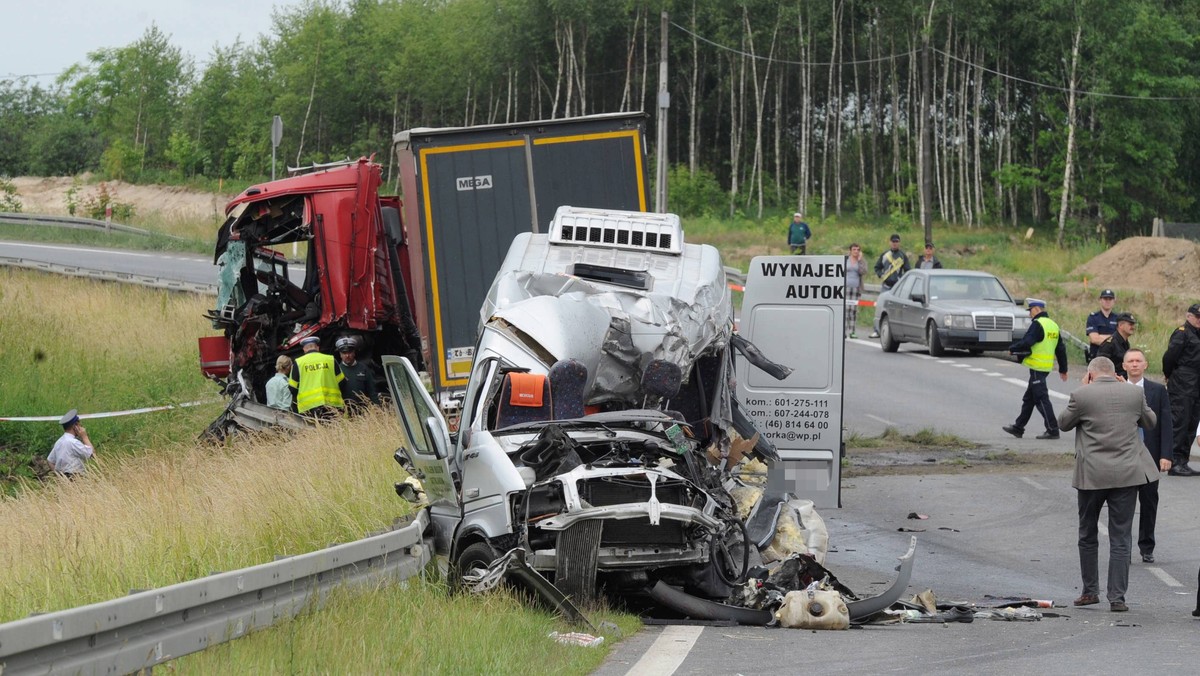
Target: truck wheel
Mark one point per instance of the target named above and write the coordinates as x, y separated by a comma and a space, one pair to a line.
935, 343
886, 341
476, 557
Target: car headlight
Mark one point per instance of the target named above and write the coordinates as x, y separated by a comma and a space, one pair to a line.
959, 322
1021, 322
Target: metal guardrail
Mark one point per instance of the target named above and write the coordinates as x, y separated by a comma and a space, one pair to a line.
108, 275
77, 223
151, 627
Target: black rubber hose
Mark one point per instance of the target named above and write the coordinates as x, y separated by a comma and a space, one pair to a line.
745, 556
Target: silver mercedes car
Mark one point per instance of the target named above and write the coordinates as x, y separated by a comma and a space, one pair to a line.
944, 309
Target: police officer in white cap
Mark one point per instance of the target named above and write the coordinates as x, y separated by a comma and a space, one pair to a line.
1039, 348
72, 448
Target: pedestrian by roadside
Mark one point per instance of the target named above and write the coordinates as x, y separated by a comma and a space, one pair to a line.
798, 234
1158, 442
928, 261
856, 275
1111, 464
316, 380
279, 394
1115, 346
892, 264
1181, 366
73, 448
1102, 323
1041, 348
890, 267
358, 388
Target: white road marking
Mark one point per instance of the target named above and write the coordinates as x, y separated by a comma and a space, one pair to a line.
1033, 483
860, 341
667, 652
918, 355
976, 369
962, 366
882, 420
994, 374
946, 361
1014, 381
1059, 395
1164, 576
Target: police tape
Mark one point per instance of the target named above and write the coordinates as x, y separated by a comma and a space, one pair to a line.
108, 414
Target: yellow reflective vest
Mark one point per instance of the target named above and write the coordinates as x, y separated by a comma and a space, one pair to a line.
1042, 356
318, 381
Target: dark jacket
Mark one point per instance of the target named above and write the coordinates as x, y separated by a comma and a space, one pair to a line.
359, 383
891, 266
1114, 347
1036, 334
1181, 362
1158, 439
932, 264
1098, 323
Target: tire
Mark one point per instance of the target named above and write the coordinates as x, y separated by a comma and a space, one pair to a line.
476, 555
936, 349
886, 341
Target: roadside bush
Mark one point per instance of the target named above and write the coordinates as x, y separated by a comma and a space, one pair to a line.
8, 196
95, 205
696, 194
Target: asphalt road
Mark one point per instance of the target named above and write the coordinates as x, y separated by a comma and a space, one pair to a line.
1000, 534
191, 268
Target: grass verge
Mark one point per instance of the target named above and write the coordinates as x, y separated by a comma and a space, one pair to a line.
138, 522
97, 346
414, 628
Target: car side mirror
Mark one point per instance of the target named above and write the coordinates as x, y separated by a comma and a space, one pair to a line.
406, 463
1018, 301
918, 298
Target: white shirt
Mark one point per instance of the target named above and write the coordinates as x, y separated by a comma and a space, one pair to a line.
68, 454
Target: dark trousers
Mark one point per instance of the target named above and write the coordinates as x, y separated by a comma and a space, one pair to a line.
1148, 502
1037, 396
1121, 503
1185, 415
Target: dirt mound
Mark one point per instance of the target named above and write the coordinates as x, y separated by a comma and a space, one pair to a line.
49, 196
1146, 264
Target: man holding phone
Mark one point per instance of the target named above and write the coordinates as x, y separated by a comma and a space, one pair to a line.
72, 448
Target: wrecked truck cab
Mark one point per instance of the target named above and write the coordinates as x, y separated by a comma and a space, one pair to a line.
598, 418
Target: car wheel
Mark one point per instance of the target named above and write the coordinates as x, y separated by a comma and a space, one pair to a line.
886, 341
935, 343
477, 556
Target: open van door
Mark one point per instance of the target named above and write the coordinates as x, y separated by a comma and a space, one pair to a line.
426, 447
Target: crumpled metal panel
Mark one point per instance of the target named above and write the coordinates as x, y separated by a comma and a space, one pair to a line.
685, 312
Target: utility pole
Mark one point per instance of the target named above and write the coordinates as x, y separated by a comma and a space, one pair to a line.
664, 102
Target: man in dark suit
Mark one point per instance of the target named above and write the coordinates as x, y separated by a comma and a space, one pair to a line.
1111, 464
1158, 442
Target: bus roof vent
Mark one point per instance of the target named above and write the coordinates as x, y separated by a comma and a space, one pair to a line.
636, 230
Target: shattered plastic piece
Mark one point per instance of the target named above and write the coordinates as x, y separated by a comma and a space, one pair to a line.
926, 600
954, 615
906, 529
576, 638
1021, 614
677, 437
914, 515
513, 564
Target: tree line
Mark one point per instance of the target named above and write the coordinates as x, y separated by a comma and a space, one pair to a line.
1072, 113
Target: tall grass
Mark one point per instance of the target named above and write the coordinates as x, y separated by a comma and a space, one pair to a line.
97, 346
411, 628
135, 522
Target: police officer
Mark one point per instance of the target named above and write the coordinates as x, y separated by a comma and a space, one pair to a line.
1042, 347
316, 379
1181, 366
73, 448
1102, 323
1115, 346
359, 386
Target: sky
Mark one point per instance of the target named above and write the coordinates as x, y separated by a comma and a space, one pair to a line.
45, 37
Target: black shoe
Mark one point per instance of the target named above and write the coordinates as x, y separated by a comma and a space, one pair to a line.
1147, 558
1181, 470
1047, 435
1014, 430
